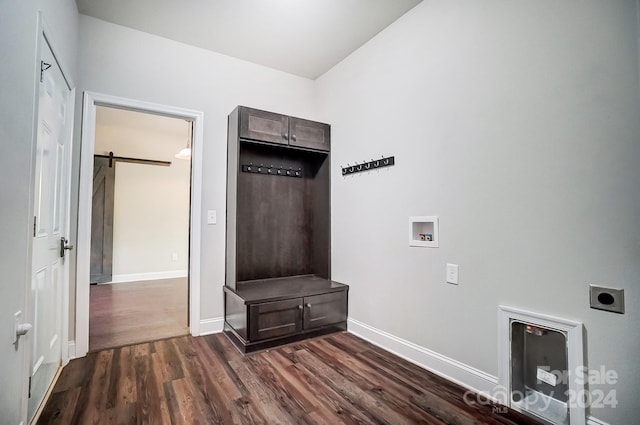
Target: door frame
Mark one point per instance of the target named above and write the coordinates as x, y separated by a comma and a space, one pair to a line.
90, 102
45, 35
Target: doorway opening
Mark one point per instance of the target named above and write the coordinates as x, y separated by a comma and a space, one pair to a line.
138, 223
139, 228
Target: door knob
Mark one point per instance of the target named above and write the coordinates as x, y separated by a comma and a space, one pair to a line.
23, 328
64, 246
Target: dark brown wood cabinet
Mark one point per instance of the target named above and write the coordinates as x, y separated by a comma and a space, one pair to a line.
275, 318
283, 318
309, 134
267, 312
324, 309
264, 126
278, 286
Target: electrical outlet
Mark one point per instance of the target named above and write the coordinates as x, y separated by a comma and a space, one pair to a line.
174, 256
607, 299
452, 273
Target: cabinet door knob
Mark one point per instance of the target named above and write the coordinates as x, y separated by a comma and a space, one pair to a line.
293, 137
285, 136
308, 305
300, 307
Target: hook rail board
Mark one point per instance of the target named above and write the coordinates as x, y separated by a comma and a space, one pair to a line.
367, 166
271, 170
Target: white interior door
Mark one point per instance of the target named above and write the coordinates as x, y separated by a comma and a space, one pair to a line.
50, 268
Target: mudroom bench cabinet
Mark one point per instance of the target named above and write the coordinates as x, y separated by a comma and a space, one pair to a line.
278, 287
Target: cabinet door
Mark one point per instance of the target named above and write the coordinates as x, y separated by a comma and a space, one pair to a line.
325, 309
273, 319
264, 126
309, 134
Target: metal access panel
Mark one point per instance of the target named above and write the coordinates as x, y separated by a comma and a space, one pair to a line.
539, 371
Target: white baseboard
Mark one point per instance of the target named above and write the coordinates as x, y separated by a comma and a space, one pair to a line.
211, 326
134, 277
453, 370
593, 421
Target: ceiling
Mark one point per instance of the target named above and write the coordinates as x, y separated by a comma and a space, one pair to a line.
301, 37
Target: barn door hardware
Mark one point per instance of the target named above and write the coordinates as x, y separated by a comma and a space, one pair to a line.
113, 159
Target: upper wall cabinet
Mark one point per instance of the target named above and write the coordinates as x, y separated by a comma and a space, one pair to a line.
263, 126
309, 134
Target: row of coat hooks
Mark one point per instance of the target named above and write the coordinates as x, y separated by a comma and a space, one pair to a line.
371, 165
272, 170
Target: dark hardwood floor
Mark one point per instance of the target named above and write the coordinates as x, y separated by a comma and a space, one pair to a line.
336, 379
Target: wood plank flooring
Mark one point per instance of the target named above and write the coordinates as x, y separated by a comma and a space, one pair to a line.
335, 379
133, 312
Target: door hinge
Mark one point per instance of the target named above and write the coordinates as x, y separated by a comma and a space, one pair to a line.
43, 67
30, 387
35, 220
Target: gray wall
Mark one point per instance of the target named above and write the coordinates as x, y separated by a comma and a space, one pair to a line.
517, 123
18, 32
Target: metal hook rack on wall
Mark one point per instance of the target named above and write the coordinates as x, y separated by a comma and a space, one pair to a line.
367, 166
271, 170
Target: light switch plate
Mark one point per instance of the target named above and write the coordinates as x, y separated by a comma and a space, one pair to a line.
211, 217
452, 273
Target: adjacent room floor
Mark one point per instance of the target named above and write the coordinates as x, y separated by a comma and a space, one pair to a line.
133, 312
336, 379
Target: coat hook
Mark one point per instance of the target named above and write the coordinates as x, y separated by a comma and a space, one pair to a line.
367, 165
